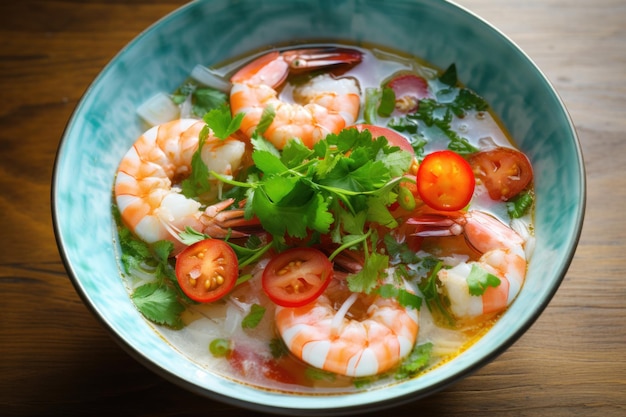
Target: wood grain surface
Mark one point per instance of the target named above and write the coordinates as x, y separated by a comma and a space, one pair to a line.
55, 357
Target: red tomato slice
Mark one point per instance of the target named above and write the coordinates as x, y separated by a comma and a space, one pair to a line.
393, 137
297, 276
504, 171
445, 181
409, 89
207, 270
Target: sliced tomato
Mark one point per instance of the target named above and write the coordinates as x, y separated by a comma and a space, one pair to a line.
297, 276
409, 89
393, 137
505, 172
445, 181
207, 270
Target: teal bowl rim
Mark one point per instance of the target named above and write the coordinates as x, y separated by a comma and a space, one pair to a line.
361, 401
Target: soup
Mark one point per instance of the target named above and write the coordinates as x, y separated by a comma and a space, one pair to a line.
325, 219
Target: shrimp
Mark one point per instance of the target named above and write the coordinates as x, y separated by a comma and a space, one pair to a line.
502, 254
359, 346
323, 105
145, 189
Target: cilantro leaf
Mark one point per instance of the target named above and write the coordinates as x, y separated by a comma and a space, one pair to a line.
366, 280
438, 115
295, 153
367, 177
378, 212
267, 117
159, 304
520, 205
417, 360
222, 123
293, 220
404, 297
261, 144
198, 181
467, 100
268, 162
207, 99
430, 291
479, 280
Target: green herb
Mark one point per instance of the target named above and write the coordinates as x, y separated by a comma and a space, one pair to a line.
207, 99
429, 288
417, 360
299, 190
267, 117
449, 76
160, 300
254, 317
278, 348
431, 113
520, 205
219, 347
159, 303
387, 102
479, 280
404, 297
247, 254
203, 99
220, 122
366, 280
316, 374
467, 100
400, 251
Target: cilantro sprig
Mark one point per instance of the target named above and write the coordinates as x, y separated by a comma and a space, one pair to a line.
160, 298
220, 122
346, 179
435, 116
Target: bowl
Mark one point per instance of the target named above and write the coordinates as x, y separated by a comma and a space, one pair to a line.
105, 124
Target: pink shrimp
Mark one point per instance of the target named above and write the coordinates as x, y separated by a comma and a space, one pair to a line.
145, 187
326, 338
323, 105
502, 252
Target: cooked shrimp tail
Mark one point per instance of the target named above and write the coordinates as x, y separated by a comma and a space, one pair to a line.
324, 104
372, 339
146, 187
502, 254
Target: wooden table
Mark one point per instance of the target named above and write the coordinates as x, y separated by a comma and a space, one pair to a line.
56, 359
